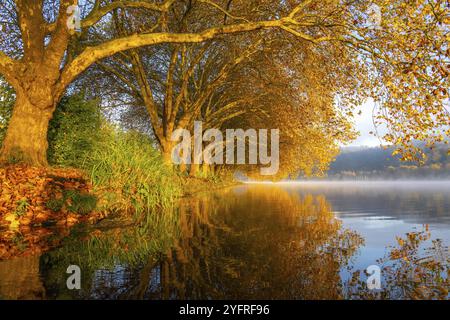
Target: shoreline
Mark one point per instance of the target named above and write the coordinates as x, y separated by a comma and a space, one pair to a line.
34, 206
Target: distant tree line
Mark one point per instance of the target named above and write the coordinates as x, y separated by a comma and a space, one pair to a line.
379, 163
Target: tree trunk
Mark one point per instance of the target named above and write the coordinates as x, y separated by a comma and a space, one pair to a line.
166, 151
206, 170
26, 137
167, 157
194, 171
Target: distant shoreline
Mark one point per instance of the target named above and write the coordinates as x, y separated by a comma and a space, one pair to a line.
294, 182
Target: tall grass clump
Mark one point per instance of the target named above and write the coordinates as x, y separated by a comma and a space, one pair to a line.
129, 172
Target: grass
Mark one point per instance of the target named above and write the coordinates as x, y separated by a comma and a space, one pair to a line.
130, 174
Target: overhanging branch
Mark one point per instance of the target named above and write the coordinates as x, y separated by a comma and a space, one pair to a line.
99, 13
93, 54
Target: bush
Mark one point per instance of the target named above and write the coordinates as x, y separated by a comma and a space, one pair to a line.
74, 131
6, 106
130, 172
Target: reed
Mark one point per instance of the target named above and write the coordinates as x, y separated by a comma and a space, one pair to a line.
129, 173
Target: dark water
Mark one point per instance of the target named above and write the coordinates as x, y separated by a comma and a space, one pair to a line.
288, 241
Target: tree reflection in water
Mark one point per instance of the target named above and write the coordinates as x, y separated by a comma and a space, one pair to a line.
410, 271
242, 243
266, 245
250, 245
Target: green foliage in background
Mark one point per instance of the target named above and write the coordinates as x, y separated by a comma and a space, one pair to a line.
7, 99
74, 131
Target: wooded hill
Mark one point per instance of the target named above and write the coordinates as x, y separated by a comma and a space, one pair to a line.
378, 162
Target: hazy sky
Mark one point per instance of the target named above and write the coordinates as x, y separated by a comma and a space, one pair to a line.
364, 124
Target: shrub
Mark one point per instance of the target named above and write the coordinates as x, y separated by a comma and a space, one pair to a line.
74, 131
6, 105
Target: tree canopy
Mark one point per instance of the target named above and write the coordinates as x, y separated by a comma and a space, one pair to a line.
305, 65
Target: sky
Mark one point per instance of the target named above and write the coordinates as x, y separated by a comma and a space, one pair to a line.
364, 124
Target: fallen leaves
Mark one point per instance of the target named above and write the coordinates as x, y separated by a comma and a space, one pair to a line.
26, 220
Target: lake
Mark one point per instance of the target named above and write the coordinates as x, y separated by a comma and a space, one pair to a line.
305, 240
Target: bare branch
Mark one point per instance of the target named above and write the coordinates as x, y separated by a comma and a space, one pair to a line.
96, 15
224, 11
308, 37
299, 8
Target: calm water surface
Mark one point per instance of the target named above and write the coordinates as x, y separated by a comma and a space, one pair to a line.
264, 241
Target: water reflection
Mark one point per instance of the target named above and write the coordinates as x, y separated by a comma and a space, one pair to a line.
413, 202
409, 270
250, 242
264, 245
19, 279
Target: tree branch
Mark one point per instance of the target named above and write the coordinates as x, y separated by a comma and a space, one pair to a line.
299, 8
96, 15
224, 11
99, 12
93, 54
8, 68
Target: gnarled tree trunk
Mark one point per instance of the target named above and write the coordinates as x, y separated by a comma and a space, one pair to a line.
26, 137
